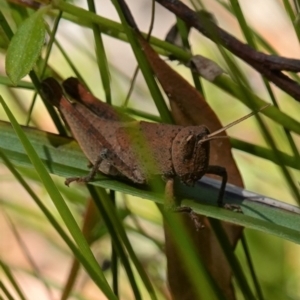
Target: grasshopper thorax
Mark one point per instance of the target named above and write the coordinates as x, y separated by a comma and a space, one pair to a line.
190, 154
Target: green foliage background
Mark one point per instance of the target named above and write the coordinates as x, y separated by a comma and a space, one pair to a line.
276, 260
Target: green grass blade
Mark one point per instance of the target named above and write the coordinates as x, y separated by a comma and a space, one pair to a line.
251, 267
101, 55
243, 24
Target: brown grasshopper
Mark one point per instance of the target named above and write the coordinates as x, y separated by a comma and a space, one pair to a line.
117, 145
114, 147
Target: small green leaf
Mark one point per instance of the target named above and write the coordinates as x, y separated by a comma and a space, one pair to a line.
25, 47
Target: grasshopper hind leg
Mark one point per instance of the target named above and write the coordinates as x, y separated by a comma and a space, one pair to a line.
88, 177
220, 171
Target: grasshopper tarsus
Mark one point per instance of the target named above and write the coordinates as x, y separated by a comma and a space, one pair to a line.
193, 216
233, 207
84, 179
71, 179
195, 219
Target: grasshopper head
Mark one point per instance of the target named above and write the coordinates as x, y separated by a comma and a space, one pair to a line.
190, 153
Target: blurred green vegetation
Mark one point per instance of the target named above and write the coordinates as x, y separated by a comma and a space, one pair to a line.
276, 261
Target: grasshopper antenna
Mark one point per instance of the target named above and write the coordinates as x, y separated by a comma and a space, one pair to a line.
212, 136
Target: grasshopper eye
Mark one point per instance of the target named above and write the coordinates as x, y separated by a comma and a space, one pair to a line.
188, 146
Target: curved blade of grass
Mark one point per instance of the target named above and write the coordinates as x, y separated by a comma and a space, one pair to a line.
59, 202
